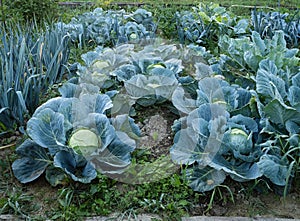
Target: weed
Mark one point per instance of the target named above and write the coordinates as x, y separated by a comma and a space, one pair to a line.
16, 203
28, 11
221, 196
170, 197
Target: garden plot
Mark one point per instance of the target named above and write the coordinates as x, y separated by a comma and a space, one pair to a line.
198, 124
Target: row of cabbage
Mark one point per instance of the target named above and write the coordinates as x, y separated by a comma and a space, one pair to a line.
204, 24
238, 112
110, 27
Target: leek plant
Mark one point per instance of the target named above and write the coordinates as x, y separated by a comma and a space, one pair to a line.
29, 64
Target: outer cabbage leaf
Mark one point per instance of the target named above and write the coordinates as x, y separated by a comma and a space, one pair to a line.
202, 71
294, 95
244, 97
91, 103
294, 140
98, 74
246, 103
274, 168
230, 97
247, 122
238, 170
72, 89
88, 104
60, 105
294, 91
190, 85
210, 91
125, 72
66, 109
75, 165
136, 86
56, 176
47, 129
182, 102
114, 159
68, 90
205, 112
241, 27
204, 179
296, 80
292, 127
33, 162
268, 84
103, 103
91, 56
186, 149
124, 123
122, 104
280, 113
54, 104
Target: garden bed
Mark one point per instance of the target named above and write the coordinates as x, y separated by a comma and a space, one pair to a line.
204, 124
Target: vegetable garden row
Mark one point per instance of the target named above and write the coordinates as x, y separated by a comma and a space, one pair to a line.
233, 82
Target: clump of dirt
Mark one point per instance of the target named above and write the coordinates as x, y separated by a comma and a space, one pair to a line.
156, 136
154, 131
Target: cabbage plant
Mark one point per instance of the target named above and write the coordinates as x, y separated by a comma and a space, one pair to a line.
156, 87
73, 135
267, 23
246, 53
206, 23
221, 145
